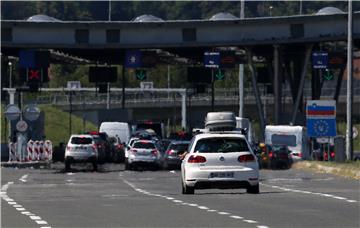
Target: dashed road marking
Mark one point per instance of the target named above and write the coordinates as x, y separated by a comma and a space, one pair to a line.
312, 193
180, 202
23, 178
20, 208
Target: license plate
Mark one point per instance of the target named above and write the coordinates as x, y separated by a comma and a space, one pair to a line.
222, 175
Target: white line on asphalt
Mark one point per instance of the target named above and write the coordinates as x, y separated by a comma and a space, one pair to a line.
223, 213
179, 202
23, 178
313, 193
18, 207
33, 217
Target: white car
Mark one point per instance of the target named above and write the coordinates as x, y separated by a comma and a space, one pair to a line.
81, 149
219, 160
143, 153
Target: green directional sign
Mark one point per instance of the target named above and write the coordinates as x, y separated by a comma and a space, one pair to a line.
140, 75
219, 74
328, 75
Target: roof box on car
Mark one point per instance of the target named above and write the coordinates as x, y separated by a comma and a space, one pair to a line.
220, 121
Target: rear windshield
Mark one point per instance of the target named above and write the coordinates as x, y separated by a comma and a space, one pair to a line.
81, 140
179, 147
221, 145
98, 140
144, 145
289, 140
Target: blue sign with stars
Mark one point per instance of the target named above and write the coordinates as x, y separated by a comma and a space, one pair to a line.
321, 127
133, 59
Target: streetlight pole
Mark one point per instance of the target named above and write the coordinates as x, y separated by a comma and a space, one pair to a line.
270, 8
109, 10
349, 86
10, 71
241, 70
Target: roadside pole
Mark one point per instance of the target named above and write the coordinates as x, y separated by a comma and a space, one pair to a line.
349, 87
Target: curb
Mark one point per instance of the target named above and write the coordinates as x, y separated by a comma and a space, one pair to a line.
22, 165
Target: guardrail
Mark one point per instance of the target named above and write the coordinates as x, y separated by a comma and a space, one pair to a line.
136, 97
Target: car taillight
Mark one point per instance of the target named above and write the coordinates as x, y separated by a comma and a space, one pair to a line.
154, 152
99, 145
169, 152
300, 154
196, 159
119, 146
68, 147
271, 154
94, 147
133, 150
246, 158
332, 154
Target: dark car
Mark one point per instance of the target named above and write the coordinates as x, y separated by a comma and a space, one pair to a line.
279, 156
109, 147
174, 150
101, 146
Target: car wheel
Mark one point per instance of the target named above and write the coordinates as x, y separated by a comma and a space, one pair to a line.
253, 189
67, 165
187, 189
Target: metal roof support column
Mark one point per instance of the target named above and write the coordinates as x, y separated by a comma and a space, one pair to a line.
183, 109
259, 104
11, 95
277, 91
302, 81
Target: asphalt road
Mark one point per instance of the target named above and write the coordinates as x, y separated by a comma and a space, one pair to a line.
113, 197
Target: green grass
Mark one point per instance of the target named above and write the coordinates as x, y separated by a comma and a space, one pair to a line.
56, 124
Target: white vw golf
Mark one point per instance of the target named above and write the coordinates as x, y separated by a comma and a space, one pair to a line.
222, 160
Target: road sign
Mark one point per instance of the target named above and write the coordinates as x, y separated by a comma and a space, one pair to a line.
328, 75
133, 59
140, 75
321, 118
12, 112
21, 126
31, 112
212, 59
219, 74
73, 85
227, 59
320, 60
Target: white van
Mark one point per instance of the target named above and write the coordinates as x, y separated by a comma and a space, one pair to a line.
294, 137
119, 129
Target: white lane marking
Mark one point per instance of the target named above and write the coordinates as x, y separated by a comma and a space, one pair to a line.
313, 193
33, 217
45, 227
236, 217
212, 210
223, 213
23, 178
250, 221
18, 207
179, 202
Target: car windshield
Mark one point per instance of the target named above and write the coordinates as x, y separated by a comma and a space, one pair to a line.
81, 140
289, 140
144, 145
179, 147
221, 145
98, 140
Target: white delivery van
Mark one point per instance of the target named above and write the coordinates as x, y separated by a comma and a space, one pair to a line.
294, 137
119, 129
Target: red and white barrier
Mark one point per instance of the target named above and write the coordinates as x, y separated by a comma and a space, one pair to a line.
29, 149
48, 149
36, 150
42, 155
